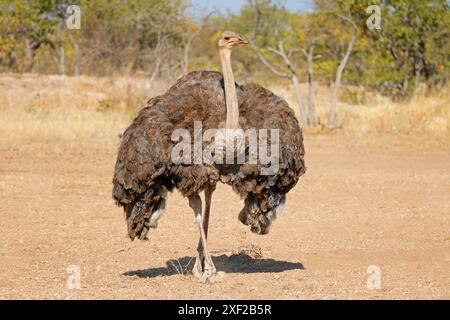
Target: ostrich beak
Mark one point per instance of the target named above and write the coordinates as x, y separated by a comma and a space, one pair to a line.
239, 40
243, 40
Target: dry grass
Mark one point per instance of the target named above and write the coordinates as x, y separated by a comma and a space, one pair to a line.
426, 115
52, 109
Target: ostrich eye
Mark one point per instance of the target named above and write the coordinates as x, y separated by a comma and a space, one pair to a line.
226, 38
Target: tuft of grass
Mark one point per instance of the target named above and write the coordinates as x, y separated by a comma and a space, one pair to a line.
252, 251
180, 268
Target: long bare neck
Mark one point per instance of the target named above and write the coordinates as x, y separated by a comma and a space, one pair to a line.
231, 101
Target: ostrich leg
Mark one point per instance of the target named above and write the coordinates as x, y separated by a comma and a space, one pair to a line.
208, 269
200, 260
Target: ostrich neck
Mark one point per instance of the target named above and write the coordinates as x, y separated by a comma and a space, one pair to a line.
231, 101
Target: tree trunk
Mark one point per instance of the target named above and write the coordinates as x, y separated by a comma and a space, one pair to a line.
77, 59
418, 67
187, 47
155, 70
311, 121
337, 83
29, 56
157, 55
405, 85
62, 61
298, 97
62, 54
76, 49
186, 58
12, 62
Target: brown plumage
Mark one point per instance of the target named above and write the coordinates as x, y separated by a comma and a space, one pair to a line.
145, 173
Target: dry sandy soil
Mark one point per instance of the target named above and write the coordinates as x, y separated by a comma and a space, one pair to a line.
358, 205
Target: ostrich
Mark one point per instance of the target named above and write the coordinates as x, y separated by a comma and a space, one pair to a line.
145, 172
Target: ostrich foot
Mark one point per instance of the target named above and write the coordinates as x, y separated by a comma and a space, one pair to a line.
209, 273
204, 274
204, 268
197, 271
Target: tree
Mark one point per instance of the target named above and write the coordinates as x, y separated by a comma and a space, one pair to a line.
30, 25
159, 39
410, 47
310, 35
271, 31
340, 70
412, 34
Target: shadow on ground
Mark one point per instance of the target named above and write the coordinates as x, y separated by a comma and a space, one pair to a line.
239, 263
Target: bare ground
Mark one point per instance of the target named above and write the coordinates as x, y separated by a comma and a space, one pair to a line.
358, 205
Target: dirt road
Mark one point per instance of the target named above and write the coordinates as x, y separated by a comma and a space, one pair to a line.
357, 206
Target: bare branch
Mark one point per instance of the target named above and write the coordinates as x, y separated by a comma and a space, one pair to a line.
287, 61
267, 63
274, 51
296, 50
348, 20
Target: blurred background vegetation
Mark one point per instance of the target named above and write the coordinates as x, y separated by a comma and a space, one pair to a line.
328, 47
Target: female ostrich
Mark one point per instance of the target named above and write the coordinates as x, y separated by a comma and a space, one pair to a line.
145, 171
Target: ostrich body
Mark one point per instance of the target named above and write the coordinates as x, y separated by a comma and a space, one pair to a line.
145, 172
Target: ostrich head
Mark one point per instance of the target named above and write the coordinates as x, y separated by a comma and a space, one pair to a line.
260, 210
230, 40
144, 214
